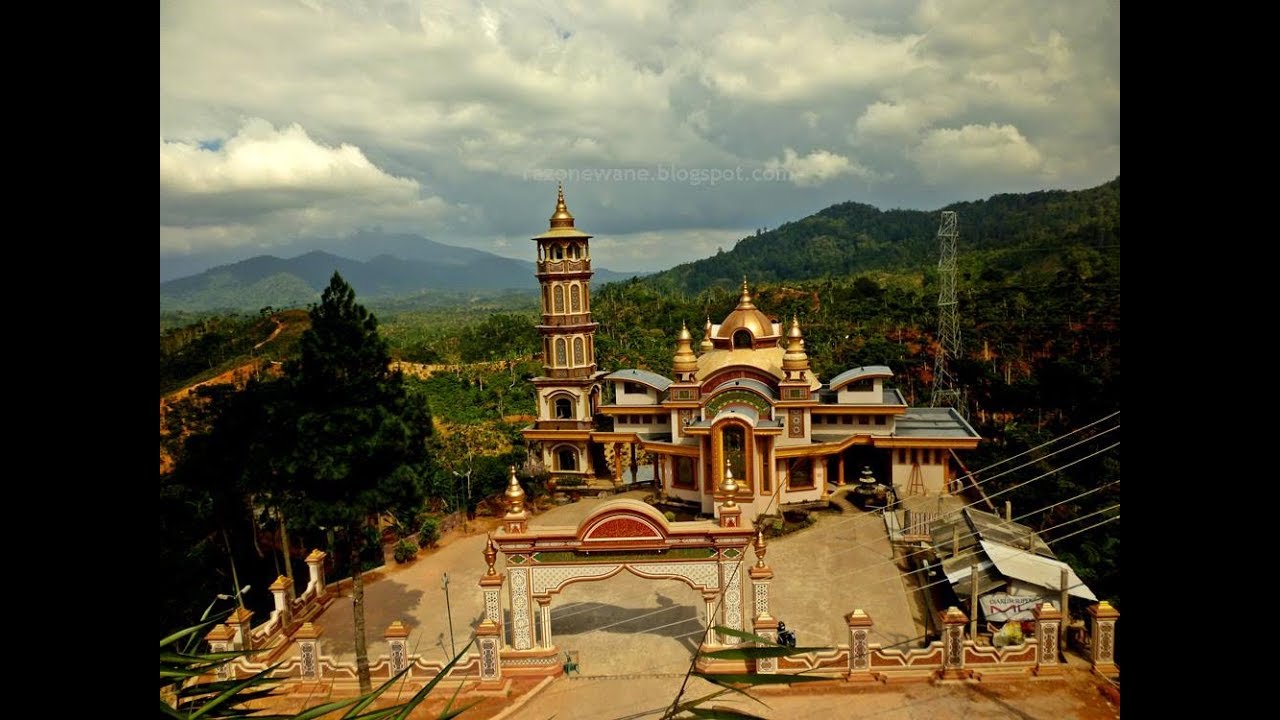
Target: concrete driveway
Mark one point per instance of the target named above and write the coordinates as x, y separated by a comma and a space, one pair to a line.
632, 626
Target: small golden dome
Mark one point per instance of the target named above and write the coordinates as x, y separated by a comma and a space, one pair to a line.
729, 486
795, 357
562, 218
685, 360
514, 494
746, 317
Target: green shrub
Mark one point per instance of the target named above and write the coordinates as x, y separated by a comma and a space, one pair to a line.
406, 550
670, 516
567, 481
429, 534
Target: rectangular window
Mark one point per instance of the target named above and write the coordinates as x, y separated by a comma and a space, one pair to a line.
800, 474
879, 419
846, 419
635, 389
862, 385
664, 419
684, 474
864, 420
902, 456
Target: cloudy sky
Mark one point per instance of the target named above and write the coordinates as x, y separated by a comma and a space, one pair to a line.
677, 126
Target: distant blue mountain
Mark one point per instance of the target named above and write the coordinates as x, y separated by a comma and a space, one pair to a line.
397, 266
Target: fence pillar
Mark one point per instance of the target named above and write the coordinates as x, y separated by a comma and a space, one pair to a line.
240, 623
282, 592
953, 621
315, 566
1048, 628
859, 647
220, 639
397, 636
1102, 644
489, 632
308, 639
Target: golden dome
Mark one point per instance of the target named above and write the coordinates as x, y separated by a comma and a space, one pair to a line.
562, 218
685, 360
514, 494
746, 317
795, 357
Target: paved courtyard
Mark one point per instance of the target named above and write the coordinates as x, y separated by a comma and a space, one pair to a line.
632, 626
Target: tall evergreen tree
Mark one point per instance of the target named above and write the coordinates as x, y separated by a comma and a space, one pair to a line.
360, 446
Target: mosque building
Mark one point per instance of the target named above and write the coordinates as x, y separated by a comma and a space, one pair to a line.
745, 401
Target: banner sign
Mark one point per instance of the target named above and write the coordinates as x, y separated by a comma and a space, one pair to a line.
999, 607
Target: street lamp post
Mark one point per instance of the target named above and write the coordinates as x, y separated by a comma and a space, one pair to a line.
449, 612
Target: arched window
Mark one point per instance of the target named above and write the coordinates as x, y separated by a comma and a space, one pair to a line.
564, 408
562, 353
742, 339
567, 459
579, 352
735, 445
557, 252
574, 254
575, 298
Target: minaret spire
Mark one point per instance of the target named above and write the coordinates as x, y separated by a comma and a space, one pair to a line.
562, 217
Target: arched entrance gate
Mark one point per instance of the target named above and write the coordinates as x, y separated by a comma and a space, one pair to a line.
621, 536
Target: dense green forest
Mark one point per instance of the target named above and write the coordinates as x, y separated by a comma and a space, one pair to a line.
1039, 295
1004, 233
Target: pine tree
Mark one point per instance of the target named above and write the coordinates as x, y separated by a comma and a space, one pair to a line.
360, 445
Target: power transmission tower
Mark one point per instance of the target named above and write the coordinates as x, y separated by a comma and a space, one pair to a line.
945, 391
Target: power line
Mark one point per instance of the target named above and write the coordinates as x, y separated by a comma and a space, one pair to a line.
907, 574
944, 580
1001, 474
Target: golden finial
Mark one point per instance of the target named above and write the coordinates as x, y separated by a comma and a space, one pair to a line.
795, 359
706, 344
490, 554
514, 495
685, 361
729, 486
760, 547
562, 218
744, 302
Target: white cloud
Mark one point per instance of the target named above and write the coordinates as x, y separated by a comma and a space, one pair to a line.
997, 151
815, 168
261, 158
374, 112
264, 181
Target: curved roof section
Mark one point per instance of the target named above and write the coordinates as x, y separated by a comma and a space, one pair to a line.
737, 411
746, 383
644, 377
767, 360
860, 373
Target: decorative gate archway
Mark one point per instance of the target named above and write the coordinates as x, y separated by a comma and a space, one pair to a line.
620, 536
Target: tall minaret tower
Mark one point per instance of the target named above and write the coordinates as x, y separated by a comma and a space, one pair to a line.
569, 388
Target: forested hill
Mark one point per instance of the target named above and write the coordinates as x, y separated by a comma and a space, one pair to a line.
852, 237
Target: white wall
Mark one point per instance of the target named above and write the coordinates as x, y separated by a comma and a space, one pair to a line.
622, 397
874, 396
933, 475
